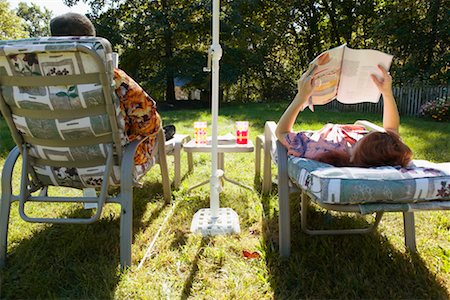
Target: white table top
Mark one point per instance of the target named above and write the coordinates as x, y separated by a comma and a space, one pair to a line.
191, 146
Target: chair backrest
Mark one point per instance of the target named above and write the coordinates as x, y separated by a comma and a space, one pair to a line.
57, 96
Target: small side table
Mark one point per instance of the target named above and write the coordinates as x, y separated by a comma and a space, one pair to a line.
173, 147
191, 147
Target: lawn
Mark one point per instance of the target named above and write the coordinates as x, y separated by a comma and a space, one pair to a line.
82, 261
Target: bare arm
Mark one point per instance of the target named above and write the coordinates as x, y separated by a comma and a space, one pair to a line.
391, 118
287, 120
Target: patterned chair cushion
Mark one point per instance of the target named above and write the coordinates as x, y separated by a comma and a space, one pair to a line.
28, 57
422, 181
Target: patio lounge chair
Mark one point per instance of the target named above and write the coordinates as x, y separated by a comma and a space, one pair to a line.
56, 96
423, 186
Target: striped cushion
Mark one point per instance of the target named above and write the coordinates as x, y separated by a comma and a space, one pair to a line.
422, 181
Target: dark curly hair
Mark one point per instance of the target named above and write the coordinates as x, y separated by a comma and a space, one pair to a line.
71, 24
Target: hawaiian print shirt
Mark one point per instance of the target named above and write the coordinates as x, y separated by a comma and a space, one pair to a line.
140, 115
332, 137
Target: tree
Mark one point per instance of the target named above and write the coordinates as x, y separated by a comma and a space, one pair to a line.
36, 20
98, 6
267, 44
11, 25
416, 33
159, 40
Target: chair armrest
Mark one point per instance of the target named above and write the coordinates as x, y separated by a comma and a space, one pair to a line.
176, 141
177, 138
369, 125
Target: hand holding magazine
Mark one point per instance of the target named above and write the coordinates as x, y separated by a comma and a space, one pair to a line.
343, 73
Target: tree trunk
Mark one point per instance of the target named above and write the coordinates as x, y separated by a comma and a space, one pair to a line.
433, 23
331, 10
168, 55
313, 37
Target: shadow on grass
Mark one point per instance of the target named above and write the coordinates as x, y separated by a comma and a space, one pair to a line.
189, 208
74, 261
186, 293
349, 266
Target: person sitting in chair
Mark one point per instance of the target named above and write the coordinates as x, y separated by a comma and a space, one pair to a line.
138, 108
346, 145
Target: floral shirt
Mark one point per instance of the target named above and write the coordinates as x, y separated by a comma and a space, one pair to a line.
140, 115
332, 137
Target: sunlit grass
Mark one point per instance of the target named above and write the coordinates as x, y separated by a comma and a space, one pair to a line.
78, 261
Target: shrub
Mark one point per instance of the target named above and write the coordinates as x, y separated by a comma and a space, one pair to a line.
437, 110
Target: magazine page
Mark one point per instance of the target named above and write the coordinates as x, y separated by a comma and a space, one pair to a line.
356, 85
327, 68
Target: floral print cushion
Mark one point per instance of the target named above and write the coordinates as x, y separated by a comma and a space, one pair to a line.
422, 181
28, 57
141, 118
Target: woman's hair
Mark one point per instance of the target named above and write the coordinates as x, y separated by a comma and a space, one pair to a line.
71, 24
335, 158
373, 150
381, 149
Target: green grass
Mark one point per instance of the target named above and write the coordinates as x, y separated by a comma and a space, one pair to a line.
78, 261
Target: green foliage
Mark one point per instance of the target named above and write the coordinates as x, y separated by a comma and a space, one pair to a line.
267, 44
416, 33
158, 41
11, 25
36, 20
437, 110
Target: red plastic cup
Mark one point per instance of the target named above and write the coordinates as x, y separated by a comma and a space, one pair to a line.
242, 132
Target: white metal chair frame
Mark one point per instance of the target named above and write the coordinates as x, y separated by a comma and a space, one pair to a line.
125, 160
284, 191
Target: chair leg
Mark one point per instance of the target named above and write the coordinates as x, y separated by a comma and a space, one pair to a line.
163, 165
189, 157
304, 203
259, 143
5, 208
177, 164
267, 172
409, 231
126, 228
5, 204
165, 181
126, 205
284, 217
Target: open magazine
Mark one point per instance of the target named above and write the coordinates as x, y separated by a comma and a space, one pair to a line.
343, 73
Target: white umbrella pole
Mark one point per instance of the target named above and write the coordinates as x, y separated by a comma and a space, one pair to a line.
216, 54
215, 220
